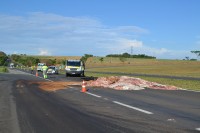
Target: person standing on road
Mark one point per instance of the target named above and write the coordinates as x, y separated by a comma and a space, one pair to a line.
32, 68
44, 69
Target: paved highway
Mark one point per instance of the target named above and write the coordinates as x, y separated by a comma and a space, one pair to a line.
24, 108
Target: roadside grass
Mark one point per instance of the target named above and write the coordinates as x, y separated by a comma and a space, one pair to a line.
184, 84
3, 69
150, 66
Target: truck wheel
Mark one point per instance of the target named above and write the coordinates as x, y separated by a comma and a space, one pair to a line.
82, 74
66, 75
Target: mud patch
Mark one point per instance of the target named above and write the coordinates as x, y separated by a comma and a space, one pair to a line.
53, 86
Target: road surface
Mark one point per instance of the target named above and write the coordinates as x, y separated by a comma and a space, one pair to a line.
24, 108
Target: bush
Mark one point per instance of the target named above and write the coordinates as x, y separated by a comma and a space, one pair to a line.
193, 59
3, 69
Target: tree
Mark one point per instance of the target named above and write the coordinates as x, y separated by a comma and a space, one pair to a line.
101, 59
85, 57
3, 58
15, 57
126, 55
196, 52
187, 58
63, 62
122, 59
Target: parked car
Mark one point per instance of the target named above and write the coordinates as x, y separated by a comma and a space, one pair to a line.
52, 70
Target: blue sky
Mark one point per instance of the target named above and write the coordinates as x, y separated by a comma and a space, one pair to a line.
167, 29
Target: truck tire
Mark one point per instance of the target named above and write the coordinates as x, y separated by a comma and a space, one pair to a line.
83, 74
66, 75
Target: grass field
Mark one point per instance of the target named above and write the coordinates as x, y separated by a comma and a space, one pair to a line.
149, 66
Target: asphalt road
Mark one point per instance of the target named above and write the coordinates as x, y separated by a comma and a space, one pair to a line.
24, 108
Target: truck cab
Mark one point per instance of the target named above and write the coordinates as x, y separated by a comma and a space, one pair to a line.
74, 67
40, 65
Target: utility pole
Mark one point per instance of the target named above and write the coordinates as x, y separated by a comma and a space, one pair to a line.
131, 50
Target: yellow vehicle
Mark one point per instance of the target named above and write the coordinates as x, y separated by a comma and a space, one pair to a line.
74, 67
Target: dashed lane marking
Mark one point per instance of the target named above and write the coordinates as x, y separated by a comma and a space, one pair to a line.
93, 94
49, 80
190, 90
198, 129
131, 107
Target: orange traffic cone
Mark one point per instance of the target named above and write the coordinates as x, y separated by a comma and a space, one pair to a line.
83, 87
36, 74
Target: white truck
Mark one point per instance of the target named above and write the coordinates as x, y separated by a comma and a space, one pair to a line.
40, 65
74, 67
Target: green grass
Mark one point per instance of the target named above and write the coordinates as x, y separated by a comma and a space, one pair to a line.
150, 66
185, 84
3, 69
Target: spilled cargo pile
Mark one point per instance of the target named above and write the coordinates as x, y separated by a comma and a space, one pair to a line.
128, 83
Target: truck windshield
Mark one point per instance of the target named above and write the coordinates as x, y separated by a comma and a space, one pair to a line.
73, 63
41, 64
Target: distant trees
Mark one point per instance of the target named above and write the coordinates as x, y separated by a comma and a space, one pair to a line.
24, 60
127, 55
3, 58
85, 57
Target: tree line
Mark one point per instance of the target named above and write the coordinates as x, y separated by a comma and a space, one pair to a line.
127, 55
3, 59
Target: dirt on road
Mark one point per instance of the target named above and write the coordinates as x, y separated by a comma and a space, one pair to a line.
54, 86
113, 82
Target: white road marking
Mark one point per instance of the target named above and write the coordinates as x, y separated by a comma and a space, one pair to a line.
190, 90
135, 108
71, 87
171, 120
105, 98
198, 129
49, 80
93, 94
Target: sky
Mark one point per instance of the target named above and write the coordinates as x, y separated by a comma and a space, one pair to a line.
166, 29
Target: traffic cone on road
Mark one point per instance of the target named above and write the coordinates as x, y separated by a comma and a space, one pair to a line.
83, 87
36, 74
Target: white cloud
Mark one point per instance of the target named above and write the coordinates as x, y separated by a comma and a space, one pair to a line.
134, 43
44, 52
52, 34
63, 35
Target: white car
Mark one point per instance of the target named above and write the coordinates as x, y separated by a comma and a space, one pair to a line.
52, 70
